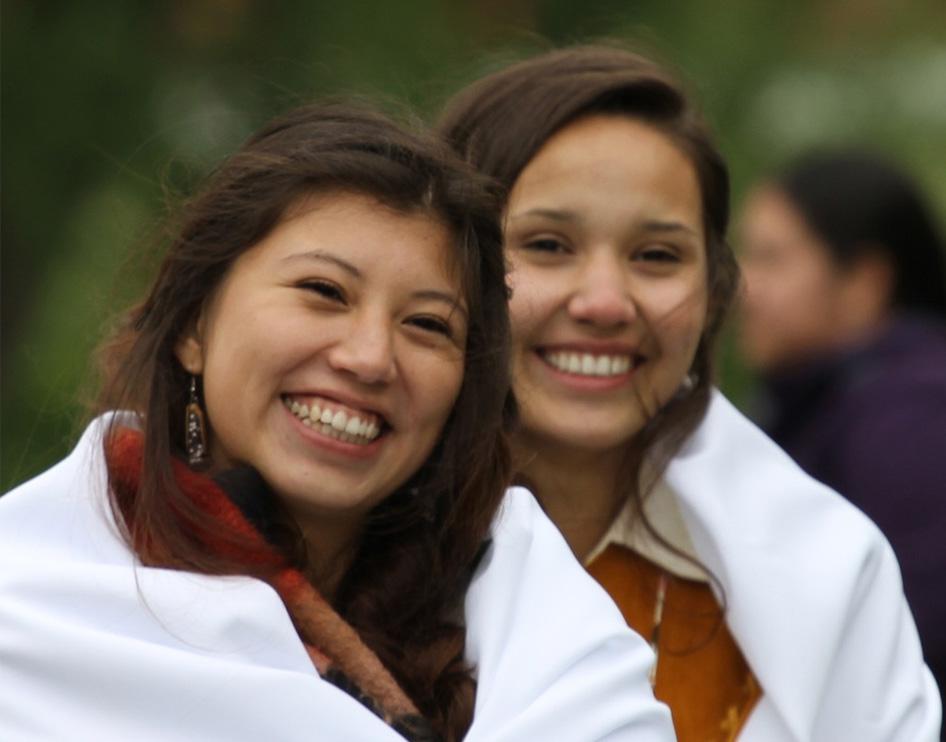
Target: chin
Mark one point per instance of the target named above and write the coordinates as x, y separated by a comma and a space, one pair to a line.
604, 441
590, 438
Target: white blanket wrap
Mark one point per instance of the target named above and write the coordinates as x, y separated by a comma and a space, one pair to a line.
813, 592
95, 647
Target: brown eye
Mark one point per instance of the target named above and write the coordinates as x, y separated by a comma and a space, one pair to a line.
433, 324
325, 289
658, 254
545, 245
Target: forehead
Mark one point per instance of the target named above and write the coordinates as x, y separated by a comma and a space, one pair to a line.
611, 155
593, 136
366, 232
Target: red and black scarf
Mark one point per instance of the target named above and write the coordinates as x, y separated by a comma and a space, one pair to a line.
335, 648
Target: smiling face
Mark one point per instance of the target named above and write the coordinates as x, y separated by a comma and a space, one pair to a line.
605, 239
332, 354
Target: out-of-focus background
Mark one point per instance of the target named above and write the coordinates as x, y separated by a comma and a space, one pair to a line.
111, 108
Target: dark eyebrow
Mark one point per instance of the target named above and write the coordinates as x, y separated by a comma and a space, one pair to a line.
434, 295
326, 257
564, 215
659, 226
559, 215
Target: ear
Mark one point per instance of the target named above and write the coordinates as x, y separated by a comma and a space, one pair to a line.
189, 349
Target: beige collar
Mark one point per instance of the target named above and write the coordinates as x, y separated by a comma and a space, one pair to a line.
663, 512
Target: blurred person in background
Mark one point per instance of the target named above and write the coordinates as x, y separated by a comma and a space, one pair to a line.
774, 607
845, 319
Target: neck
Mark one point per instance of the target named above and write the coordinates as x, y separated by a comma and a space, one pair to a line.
330, 550
579, 489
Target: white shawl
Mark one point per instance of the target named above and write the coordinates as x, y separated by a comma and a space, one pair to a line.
94, 647
813, 592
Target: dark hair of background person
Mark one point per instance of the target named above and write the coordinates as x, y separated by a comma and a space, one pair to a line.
500, 122
857, 202
406, 585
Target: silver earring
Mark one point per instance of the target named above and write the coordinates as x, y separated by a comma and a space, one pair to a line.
195, 431
689, 382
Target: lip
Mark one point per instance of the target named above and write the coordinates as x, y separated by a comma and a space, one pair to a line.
594, 347
333, 445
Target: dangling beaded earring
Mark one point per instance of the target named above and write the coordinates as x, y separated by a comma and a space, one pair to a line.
195, 432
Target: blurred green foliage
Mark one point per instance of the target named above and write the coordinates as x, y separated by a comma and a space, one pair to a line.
112, 107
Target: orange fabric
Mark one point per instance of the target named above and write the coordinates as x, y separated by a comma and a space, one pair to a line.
701, 673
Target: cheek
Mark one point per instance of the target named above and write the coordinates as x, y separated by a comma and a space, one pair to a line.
677, 312
522, 317
802, 282
687, 337
534, 300
801, 300
787, 316
248, 351
437, 388
769, 297
248, 358
793, 286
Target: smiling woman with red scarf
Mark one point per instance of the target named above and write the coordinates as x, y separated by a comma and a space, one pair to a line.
291, 529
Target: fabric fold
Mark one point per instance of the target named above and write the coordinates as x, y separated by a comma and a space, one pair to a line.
96, 646
812, 590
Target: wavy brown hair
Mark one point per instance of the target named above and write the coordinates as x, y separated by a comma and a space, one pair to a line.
403, 592
500, 122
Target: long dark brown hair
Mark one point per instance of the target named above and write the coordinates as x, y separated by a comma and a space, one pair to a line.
500, 122
404, 590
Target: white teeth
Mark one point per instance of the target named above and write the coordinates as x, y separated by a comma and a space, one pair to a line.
587, 364
603, 366
335, 423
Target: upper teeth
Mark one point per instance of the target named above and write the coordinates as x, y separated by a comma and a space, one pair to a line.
322, 416
587, 364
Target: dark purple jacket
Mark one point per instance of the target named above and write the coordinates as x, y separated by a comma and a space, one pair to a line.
871, 423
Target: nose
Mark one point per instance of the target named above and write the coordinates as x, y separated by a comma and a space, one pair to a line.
602, 297
366, 350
